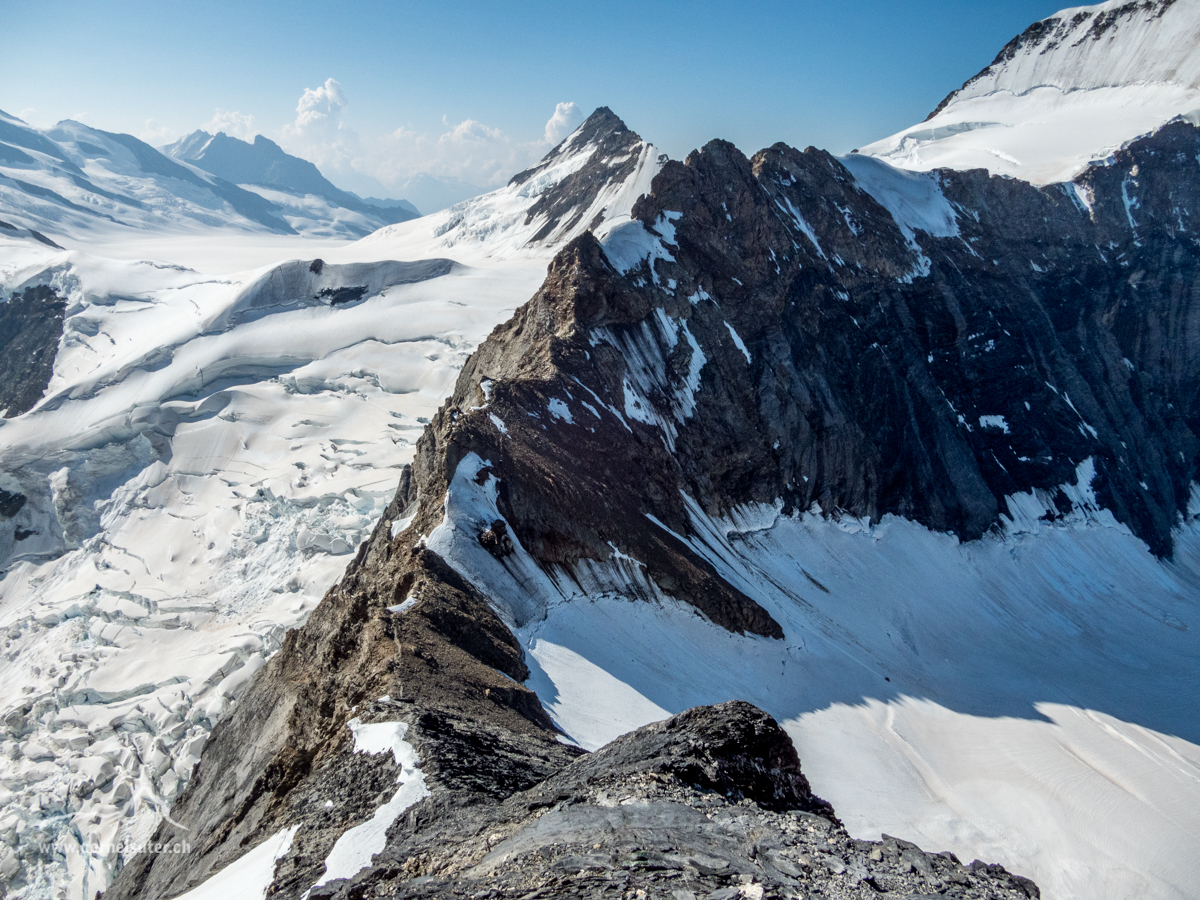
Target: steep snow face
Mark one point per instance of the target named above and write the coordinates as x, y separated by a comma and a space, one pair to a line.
588, 182
1070, 89
248, 878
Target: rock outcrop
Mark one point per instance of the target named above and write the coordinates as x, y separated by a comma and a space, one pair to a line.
31, 325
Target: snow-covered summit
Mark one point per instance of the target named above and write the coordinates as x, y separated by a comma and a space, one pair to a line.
590, 181
1069, 89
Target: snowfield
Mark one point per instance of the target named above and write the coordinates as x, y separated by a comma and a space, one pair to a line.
1083, 83
197, 476
1039, 702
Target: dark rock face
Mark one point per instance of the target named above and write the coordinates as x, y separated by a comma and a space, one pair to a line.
11, 503
31, 324
928, 378
734, 749
874, 390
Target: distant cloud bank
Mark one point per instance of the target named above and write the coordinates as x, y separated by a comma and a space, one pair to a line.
469, 152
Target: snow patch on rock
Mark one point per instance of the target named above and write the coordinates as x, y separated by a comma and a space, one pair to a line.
356, 846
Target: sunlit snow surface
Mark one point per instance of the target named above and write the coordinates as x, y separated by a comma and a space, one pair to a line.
1067, 99
249, 877
195, 487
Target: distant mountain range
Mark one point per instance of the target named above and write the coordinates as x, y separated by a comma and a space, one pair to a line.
75, 180
264, 168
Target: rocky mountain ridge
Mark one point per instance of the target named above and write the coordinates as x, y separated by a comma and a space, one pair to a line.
589, 181
789, 329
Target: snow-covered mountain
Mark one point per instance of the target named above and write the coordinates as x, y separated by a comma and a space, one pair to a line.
292, 183
79, 183
906, 459
199, 463
1069, 89
589, 182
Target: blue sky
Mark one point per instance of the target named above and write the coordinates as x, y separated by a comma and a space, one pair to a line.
464, 89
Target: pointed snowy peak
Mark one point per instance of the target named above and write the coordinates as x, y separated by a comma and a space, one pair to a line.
1070, 89
587, 183
189, 148
602, 130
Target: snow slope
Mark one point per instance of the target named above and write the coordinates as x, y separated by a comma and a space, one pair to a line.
1070, 89
213, 446
1029, 698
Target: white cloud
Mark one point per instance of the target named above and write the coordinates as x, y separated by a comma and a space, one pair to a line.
233, 123
320, 109
469, 151
567, 117
318, 134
